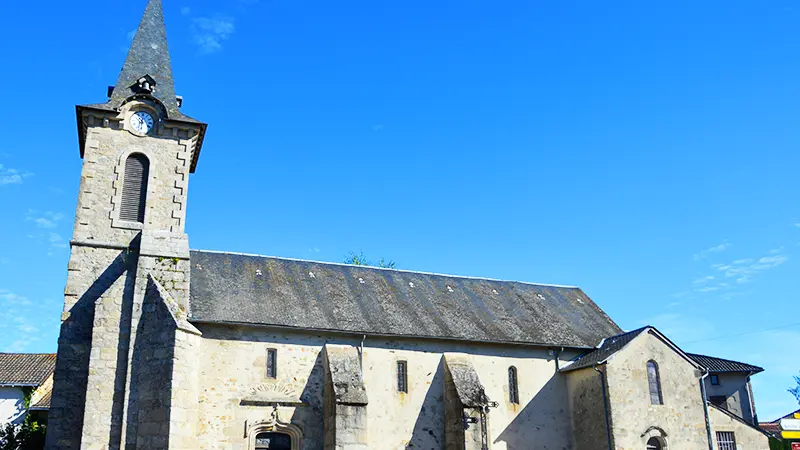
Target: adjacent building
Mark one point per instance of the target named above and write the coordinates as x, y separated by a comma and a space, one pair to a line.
784, 432
163, 347
26, 382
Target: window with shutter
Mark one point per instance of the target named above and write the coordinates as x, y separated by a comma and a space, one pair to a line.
134, 188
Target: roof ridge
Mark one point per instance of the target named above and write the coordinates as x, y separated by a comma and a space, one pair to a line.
638, 330
283, 258
722, 359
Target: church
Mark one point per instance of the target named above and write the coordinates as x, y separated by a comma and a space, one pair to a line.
165, 347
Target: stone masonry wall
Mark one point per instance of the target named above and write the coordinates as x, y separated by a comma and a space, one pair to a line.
107, 148
232, 366
585, 393
97, 300
681, 416
747, 438
150, 394
345, 399
92, 405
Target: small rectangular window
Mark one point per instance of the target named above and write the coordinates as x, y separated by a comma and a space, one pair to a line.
272, 363
402, 376
513, 385
715, 380
726, 440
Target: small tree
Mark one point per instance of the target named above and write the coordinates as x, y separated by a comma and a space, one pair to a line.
28, 436
358, 259
796, 390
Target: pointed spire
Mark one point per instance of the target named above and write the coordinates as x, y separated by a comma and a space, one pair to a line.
148, 56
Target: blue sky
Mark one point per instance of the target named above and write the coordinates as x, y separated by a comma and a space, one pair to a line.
646, 152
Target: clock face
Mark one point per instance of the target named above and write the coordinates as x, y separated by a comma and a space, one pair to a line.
142, 122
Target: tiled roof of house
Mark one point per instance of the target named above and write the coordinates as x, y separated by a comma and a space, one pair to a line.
719, 365
248, 289
773, 428
26, 369
605, 350
44, 402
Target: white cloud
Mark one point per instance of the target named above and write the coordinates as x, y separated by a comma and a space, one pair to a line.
708, 289
25, 333
47, 220
9, 298
703, 280
56, 241
715, 249
209, 33
743, 270
186, 10
11, 176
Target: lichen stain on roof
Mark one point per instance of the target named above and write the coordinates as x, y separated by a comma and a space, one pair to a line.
226, 289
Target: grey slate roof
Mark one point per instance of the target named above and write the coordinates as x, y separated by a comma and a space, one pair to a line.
149, 55
610, 346
25, 369
247, 289
719, 365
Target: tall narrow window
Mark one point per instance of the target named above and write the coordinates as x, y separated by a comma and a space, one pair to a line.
726, 440
272, 363
134, 188
654, 382
402, 376
513, 385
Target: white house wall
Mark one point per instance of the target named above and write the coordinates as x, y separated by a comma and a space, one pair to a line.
12, 405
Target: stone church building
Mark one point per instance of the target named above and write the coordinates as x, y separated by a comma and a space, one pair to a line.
163, 347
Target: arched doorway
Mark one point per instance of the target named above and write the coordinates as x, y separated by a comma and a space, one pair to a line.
273, 441
654, 444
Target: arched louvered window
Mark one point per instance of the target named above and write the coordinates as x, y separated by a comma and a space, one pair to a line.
513, 385
654, 382
134, 188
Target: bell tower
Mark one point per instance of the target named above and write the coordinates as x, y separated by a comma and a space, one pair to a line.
127, 292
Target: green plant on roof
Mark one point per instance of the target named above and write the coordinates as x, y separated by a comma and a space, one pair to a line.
358, 259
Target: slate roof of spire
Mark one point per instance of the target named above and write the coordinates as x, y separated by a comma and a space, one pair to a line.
247, 289
148, 55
